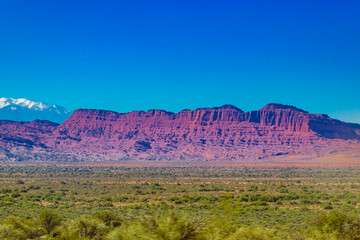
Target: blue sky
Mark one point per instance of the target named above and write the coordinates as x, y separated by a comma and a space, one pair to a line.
140, 55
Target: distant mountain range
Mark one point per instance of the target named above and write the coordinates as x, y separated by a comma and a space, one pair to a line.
27, 110
274, 133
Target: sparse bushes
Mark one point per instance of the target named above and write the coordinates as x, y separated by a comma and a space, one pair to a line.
253, 233
253, 188
173, 225
134, 203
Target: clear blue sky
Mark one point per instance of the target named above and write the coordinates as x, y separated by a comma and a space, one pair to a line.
139, 55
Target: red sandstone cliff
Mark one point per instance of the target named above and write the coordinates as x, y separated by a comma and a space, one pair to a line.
205, 133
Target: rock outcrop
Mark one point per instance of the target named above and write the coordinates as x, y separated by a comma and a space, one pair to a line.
224, 132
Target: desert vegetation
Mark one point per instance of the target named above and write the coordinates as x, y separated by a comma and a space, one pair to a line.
173, 203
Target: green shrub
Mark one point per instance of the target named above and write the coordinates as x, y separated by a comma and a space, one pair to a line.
85, 227
109, 218
253, 188
167, 226
253, 233
341, 225
19, 229
49, 219
20, 182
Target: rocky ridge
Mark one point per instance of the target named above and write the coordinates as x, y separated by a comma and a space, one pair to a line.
224, 132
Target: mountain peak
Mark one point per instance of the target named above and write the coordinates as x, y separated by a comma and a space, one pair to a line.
279, 106
229, 106
23, 102
226, 106
22, 109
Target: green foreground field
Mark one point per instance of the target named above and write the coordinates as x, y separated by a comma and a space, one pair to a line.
174, 203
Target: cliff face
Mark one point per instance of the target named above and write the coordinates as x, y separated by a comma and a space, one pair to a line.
220, 132
25, 134
285, 117
213, 123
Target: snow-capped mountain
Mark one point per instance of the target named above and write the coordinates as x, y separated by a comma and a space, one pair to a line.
23, 109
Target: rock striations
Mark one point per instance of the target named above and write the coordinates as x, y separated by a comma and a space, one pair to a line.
222, 133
